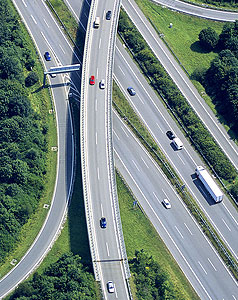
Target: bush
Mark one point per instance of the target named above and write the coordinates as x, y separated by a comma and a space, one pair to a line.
31, 79
208, 38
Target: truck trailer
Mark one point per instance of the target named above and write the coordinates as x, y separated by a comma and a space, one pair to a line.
209, 183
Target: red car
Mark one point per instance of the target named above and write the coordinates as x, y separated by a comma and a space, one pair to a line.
92, 80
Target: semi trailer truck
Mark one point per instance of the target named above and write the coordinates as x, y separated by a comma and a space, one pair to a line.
209, 183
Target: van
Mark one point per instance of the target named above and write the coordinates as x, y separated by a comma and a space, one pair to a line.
96, 22
177, 143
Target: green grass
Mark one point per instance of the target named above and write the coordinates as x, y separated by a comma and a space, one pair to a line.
183, 36
40, 100
140, 234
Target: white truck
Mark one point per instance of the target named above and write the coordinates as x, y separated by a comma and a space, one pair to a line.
209, 183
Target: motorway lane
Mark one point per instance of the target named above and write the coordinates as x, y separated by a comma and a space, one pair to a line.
183, 237
152, 112
108, 246
198, 11
182, 81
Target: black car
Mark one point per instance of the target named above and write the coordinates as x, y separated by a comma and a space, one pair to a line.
109, 15
103, 222
131, 91
170, 135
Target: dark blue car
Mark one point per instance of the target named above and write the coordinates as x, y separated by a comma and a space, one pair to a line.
103, 222
47, 56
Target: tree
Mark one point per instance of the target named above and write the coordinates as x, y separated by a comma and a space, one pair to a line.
31, 79
208, 38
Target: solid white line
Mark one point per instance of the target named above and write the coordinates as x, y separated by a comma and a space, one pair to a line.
99, 46
97, 73
114, 132
188, 228
33, 19
108, 254
102, 210
96, 138
62, 48
98, 174
165, 229
202, 267
124, 131
121, 70
144, 162
226, 224
135, 165
212, 264
24, 3
96, 104
179, 231
46, 23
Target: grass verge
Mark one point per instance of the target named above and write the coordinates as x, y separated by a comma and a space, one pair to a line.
41, 103
126, 112
139, 234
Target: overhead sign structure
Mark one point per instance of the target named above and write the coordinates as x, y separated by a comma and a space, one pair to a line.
62, 69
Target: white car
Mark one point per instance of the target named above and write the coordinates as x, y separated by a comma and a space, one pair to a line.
102, 84
166, 203
110, 287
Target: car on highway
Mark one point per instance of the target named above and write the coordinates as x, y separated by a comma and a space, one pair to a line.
102, 84
170, 134
110, 287
103, 222
131, 91
92, 80
166, 203
47, 56
109, 15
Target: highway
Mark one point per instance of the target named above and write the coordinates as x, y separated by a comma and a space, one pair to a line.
152, 112
181, 234
182, 81
45, 37
97, 154
198, 11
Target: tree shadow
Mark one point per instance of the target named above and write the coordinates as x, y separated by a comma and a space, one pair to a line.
196, 47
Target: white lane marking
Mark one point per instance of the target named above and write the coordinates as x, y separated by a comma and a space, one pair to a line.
165, 194
98, 174
179, 231
164, 227
181, 159
62, 48
103, 14
144, 162
188, 228
46, 23
234, 297
99, 46
121, 70
226, 224
135, 165
96, 137
33, 19
76, 17
156, 196
24, 3
96, 104
159, 127
115, 291
140, 99
230, 213
212, 264
97, 73
124, 131
189, 88
116, 135
102, 210
202, 267
108, 254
